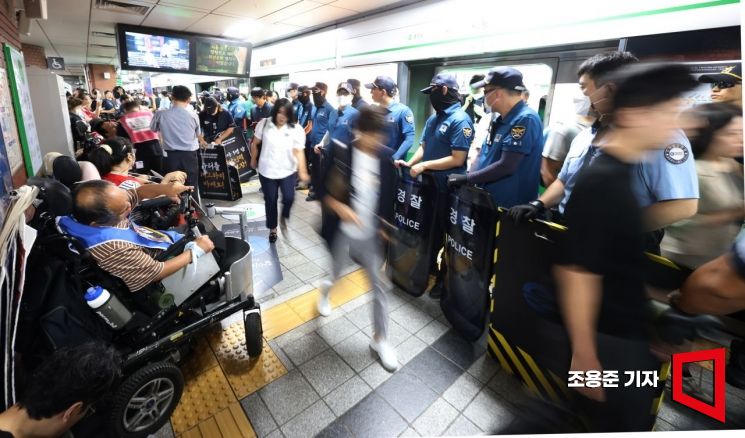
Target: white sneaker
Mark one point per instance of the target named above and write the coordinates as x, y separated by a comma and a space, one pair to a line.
324, 305
386, 353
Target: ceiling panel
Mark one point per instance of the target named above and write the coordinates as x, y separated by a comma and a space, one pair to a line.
194, 4
286, 14
322, 15
255, 8
213, 24
275, 31
173, 18
362, 6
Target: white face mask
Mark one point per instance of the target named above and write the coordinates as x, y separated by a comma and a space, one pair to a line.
344, 100
581, 105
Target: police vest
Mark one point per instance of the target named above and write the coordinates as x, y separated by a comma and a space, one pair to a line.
136, 235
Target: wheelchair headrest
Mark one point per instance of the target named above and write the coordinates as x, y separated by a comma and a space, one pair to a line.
89, 171
66, 170
55, 198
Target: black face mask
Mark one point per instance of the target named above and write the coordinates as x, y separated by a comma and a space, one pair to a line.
441, 102
318, 99
303, 98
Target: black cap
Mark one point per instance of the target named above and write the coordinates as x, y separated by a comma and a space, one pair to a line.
345, 86
384, 83
731, 73
303, 88
441, 80
320, 86
210, 103
355, 83
504, 77
293, 86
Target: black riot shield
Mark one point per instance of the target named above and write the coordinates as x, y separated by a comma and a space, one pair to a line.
528, 338
469, 254
410, 251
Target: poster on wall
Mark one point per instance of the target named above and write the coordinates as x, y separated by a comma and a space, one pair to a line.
12, 147
23, 109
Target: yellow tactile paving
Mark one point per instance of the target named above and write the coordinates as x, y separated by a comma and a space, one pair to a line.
278, 320
219, 373
199, 360
244, 374
305, 305
345, 290
359, 277
204, 396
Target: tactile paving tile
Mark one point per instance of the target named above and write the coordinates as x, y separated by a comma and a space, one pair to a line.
200, 359
359, 277
279, 320
345, 290
245, 375
204, 396
305, 305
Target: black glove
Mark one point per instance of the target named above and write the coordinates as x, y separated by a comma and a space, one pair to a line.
457, 179
527, 211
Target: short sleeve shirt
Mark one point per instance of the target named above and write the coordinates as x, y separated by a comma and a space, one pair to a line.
559, 139
133, 264
213, 125
321, 120
451, 130
400, 129
667, 174
343, 124
277, 160
179, 128
519, 131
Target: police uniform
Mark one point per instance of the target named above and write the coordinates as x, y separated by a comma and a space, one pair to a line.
666, 175
341, 124
238, 111
519, 131
443, 133
258, 114
400, 129
325, 114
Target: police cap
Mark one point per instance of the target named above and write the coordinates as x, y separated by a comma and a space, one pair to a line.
503, 77
346, 86
384, 83
442, 80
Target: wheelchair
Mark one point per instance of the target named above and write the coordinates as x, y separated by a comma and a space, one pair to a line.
54, 313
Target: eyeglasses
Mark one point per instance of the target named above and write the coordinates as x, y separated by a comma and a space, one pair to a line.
723, 85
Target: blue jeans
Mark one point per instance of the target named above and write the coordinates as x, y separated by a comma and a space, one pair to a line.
270, 188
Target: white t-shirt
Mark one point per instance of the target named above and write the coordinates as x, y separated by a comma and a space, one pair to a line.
276, 160
364, 202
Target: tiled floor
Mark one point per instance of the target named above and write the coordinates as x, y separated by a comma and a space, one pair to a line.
325, 381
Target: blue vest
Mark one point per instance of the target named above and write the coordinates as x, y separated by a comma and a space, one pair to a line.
136, 235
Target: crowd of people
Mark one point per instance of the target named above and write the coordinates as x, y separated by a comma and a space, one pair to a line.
636, 171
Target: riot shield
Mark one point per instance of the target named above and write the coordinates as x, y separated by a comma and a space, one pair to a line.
469, 254
410, 251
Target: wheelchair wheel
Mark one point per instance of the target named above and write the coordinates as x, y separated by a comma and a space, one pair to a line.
254, 333
146, 399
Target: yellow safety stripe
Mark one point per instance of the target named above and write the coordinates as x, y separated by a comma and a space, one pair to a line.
560, 383
665, 371
662, 260
516, 361
500, 357
539, 374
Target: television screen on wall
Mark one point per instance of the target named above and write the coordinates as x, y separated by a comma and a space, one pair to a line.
214, 56
158, 50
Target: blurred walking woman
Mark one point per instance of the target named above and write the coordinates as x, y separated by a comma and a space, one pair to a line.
721, 209
280, 163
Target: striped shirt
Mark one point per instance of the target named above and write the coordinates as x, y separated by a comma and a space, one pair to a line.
134, 264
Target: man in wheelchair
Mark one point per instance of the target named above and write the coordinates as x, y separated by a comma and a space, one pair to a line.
101, 221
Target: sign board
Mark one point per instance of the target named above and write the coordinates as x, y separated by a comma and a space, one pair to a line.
217, 179
266, 267
8, 126
23, 110
237, 154
55, 63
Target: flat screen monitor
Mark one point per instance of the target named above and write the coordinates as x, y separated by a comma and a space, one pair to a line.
148, 49
215, 56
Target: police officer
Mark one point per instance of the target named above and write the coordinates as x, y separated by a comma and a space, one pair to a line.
400, 126
236, 109
305, 119
665, 185
342, 122
445, 141
509, 164
321, 119
357, 100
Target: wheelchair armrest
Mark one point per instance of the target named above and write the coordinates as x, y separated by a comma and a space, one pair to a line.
174, 250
